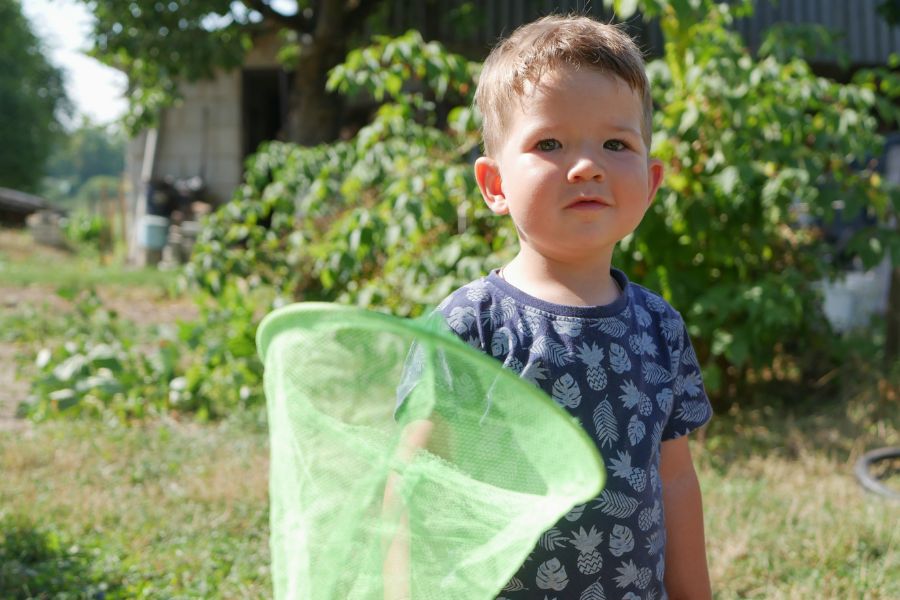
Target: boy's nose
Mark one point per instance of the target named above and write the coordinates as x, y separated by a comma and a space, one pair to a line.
586, 168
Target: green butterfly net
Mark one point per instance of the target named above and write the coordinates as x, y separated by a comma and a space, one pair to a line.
404, 463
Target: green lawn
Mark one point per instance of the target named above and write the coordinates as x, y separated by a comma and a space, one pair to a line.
785, 516
24, 263
161, 511
179, 510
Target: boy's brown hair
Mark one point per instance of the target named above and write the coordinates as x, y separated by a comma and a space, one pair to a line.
551, 43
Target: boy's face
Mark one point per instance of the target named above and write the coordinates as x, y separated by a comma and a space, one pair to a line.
573, 171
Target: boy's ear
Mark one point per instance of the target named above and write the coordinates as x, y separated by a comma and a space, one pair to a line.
655, 174
487, 174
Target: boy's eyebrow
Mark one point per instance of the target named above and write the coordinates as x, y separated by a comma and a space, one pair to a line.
549, 129
628, 129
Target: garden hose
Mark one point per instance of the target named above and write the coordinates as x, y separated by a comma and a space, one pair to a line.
871, 482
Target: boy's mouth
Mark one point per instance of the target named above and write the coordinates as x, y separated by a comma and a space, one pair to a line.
588, 204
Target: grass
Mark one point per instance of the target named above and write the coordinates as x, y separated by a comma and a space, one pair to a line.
785, 516
175, 510
24, 263
167, 510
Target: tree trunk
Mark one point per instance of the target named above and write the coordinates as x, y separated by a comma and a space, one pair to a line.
313, 114
892, 339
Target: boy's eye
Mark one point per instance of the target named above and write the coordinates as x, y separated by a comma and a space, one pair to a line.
548, 145
616, 145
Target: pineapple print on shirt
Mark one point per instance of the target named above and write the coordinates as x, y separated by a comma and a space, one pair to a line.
627, 372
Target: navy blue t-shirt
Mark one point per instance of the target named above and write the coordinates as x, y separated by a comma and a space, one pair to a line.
628, 373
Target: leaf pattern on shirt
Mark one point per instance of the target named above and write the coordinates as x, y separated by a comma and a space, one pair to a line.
616, 504
618, 358
501, 312
636, 430
655, 374
671, 329
557, 354
551, 575
501, 342
552, 539
621, 541
566, 391
567, 327
643, 317
664, 400
689, 358
575, 514
656, 304
461, 317
611, 326
605, 424
693, 412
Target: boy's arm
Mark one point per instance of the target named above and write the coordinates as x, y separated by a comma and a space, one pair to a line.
396, 563
687, 575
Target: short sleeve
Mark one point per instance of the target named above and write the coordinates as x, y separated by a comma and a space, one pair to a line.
691, 408
454, 315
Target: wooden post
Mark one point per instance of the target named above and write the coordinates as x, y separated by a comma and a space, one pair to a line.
123, 214
105, 213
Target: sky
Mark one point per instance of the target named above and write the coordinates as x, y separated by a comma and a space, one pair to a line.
97, 91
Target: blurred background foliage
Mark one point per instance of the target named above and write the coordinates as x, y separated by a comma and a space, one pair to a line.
32, 99
758, 150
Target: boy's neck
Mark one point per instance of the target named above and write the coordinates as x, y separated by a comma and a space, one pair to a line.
563, 283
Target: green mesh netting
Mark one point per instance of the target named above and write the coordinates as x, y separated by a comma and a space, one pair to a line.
443, 497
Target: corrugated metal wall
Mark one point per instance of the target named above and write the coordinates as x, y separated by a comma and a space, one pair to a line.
865, 37
493, 19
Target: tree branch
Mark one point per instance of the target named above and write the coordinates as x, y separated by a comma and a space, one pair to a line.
298, 21
356, 14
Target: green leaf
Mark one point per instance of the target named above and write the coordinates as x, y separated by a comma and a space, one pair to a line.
625, 9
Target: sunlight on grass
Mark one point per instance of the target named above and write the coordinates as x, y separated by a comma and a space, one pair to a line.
22, 262
785, 515
182, 509
177, 509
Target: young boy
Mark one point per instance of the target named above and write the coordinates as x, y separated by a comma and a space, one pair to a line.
567, 125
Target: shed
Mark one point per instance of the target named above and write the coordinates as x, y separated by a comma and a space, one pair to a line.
16, 207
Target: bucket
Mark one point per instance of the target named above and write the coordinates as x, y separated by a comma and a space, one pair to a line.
153, 231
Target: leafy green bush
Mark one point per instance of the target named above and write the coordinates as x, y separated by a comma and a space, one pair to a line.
91, 363
386, 219
759, 152
88, 232
223, 373
100, 367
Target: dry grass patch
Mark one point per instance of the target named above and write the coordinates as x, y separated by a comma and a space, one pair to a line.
785, 515
183, 509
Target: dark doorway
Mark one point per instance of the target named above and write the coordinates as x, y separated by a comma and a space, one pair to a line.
264, 94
